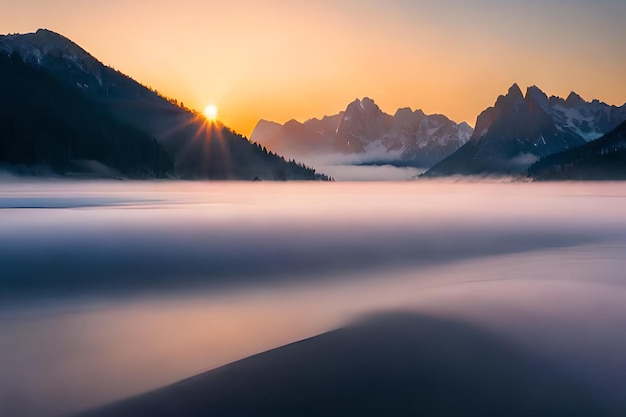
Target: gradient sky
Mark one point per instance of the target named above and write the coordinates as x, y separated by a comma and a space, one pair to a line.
284, 59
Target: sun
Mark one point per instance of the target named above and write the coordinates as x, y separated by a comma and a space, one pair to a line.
210, 112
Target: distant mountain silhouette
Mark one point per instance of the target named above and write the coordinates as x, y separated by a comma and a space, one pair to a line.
518, 130
366, 132
601, 159
186, 145
396, 364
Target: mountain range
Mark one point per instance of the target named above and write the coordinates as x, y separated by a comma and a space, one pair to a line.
63, 111
369, 135
520, 129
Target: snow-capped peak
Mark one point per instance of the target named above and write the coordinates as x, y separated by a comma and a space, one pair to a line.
45, 46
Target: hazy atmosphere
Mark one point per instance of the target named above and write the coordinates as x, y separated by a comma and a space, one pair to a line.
308, 209
146, 284
281, 60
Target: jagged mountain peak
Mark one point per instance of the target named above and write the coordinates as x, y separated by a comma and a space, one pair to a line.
267, 122
511, 105
574, 100
513, 99
407, 112
518, 130
264, 129
323, 118
515, 92
365, 104
402, 111
292, 121
408, 137
535, 92
362, 122
535, 95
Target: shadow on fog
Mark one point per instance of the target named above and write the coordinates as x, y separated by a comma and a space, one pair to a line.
111, 238
67, 203
87, 261
397, 364
243, 235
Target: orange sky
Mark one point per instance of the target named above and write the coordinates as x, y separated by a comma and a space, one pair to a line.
284, 59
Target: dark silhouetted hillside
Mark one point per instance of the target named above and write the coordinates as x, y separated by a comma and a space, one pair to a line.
602, 159
193, 147
47, 127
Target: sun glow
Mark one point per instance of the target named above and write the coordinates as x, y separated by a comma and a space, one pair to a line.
210, 112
